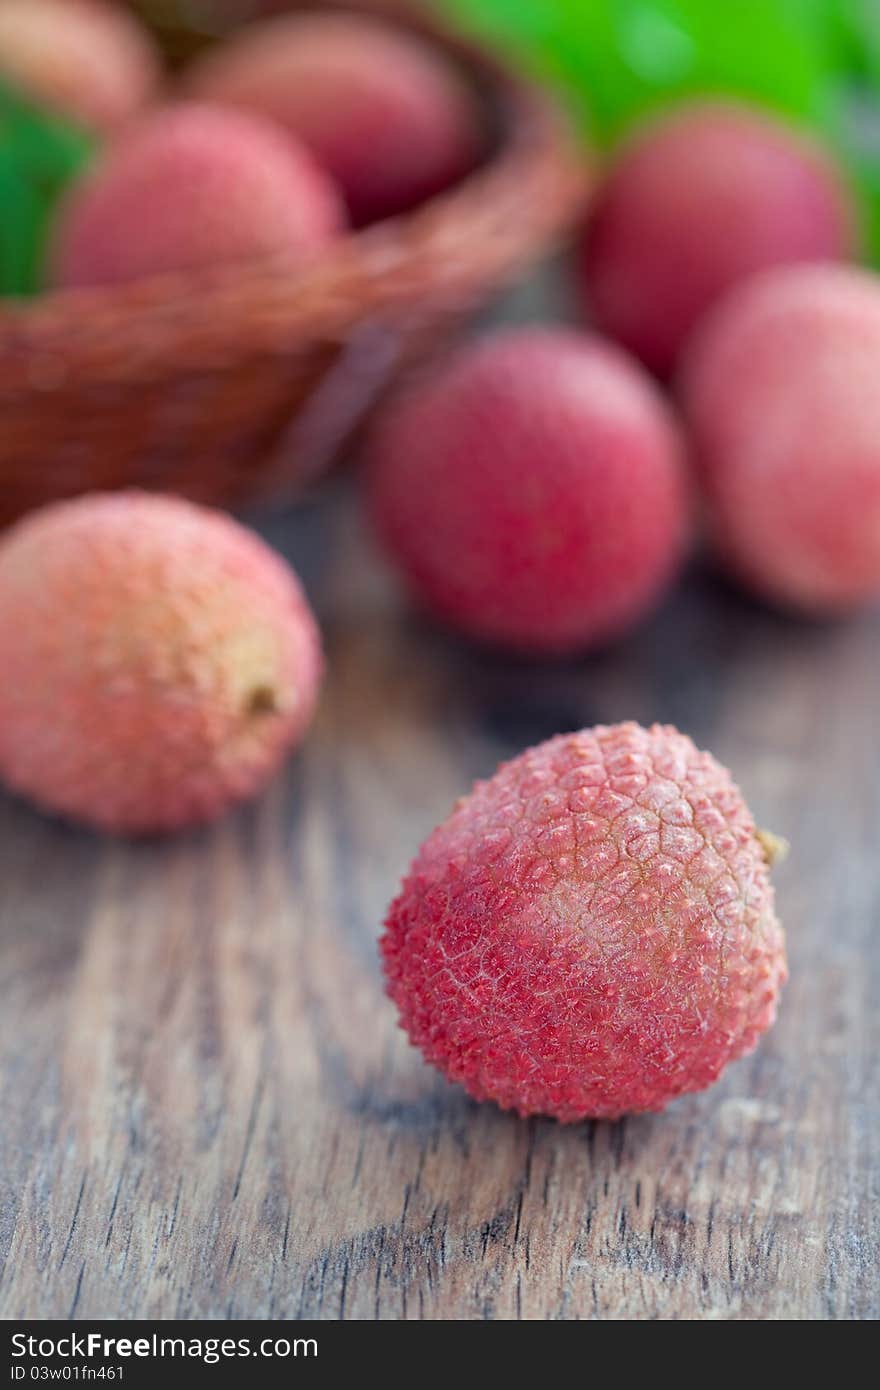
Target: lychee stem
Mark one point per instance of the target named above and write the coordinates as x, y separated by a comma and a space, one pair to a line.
775, 848
262, 700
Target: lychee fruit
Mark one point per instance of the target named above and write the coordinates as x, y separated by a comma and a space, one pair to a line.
694, 203
533, 492
158, 661
390, 119
191, 187
83, 59
781, 391
591, 932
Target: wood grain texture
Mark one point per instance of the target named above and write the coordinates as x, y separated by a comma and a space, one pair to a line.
207, 1109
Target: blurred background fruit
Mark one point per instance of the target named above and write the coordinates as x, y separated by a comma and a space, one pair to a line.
87, 60
696, 200
389, 118
533, 491
782, 401
192, 187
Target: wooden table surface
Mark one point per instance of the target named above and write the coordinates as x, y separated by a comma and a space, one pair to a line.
206, 1109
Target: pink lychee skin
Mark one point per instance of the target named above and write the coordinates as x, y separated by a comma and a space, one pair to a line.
391, 121
191, 187
533, 492
781, 393
697, 201
592, 931
89, 61
158, 662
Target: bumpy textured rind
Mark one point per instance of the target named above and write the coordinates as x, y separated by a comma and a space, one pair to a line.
781, 392
592, 931
158, 661
696, 202
390, 120
84, 59
191, 187
533, 493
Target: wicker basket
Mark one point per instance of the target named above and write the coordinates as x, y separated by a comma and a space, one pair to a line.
233, 385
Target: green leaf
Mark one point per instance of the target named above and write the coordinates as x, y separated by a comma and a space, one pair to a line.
40, 153
616, 59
